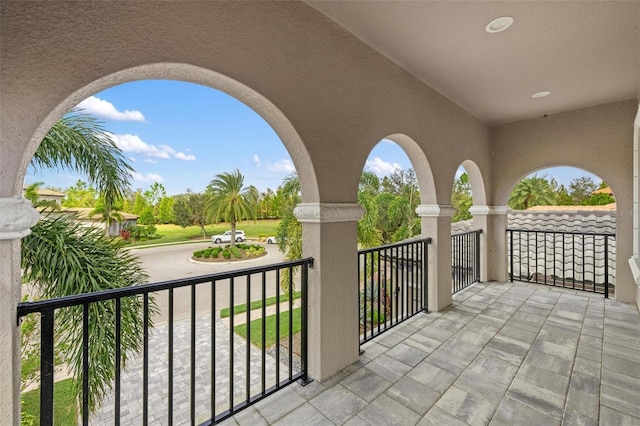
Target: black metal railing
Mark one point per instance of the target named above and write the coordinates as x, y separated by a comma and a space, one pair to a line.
194, 365
577, 260
392, 285
465, 260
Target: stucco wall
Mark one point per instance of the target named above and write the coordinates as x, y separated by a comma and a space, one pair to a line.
598, 139
340, 96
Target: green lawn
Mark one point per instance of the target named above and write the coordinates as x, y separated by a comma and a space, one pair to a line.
240, 309
65, 411
175, 233
270, 328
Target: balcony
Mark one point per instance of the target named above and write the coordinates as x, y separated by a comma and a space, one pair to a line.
502, 354
333, 79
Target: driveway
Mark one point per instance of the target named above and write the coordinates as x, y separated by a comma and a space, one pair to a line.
166, 263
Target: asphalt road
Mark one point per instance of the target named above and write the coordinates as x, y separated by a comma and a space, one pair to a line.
172, 262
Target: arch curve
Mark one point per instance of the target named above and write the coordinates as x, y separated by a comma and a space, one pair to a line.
198, 75
478, 188
505, 198
420, 164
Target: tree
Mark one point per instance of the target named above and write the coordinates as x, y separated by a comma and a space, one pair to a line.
532, 191
79, 143
165, 210
253, 196
600, 199
581, 189
461, 198
368, 233
229, 200
62, 258
190, 210
147, 217
403, 184
289, 232
562, 197
80, 195
107, 216
153, 197
139, 204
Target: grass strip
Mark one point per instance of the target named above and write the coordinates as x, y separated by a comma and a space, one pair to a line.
65, 410
257, 304
270, 328
175, 233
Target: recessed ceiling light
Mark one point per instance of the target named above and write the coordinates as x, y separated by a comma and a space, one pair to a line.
499, 24
541, 94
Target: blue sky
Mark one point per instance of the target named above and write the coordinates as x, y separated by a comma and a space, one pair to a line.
182, 134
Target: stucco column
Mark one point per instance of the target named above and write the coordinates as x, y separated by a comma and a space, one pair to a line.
16, 217
480, 214
634, 261
330, 237
436, 224
493, 241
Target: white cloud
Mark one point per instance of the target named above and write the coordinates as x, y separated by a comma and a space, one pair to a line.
106, 109
132, 159
185, 157
149, 177
150, 161
133, 143
284, 165
381, 167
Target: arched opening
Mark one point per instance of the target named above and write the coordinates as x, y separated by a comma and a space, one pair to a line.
389, 193
169, 307
466, 231
392, 282
562, 230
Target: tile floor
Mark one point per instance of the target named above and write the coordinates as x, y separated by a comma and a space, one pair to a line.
502, 354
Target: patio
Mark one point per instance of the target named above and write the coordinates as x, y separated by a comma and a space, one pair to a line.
501, 354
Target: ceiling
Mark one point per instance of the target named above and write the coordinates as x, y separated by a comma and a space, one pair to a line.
584, 52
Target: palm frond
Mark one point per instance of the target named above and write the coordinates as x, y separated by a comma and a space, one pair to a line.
78, 142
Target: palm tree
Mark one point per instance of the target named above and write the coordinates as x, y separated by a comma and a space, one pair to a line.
289, 233
368, 233
79, 143
62, 258
107, 216
229, 200
529, 192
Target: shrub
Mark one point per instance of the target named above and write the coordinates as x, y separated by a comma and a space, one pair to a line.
235, 251
215, 252
226, 253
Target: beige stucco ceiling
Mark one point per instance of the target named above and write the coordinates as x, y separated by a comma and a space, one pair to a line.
584, 52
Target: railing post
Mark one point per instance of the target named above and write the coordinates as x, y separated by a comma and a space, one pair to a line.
510, 232
477, 256
425, 275
606, 266
46, 367
304, 380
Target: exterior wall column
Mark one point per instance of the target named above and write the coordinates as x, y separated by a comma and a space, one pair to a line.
436, 224
493, 241
634, 261
330, 237
16, 217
